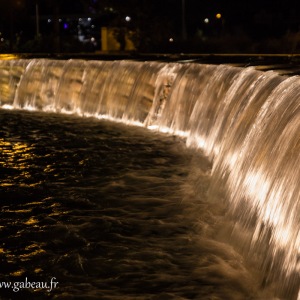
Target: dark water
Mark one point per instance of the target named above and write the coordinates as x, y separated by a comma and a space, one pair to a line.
112, 212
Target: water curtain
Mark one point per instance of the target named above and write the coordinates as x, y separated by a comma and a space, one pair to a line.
247, 122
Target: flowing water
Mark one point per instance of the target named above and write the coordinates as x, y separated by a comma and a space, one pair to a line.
112, 211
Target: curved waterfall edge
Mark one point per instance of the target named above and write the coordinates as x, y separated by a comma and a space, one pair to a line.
244, 120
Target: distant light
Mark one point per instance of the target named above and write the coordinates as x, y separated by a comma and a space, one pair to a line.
92, 39
89, 19
218, 16
93, 26
206, 20
60, 20
2, 39
66, 26
127, 19
49, 20
171, 40
80, 19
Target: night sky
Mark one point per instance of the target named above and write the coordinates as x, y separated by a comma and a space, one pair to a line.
254, 22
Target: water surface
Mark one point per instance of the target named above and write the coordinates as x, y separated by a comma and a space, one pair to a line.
112, 212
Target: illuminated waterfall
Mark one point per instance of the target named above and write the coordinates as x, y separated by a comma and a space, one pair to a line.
246, 121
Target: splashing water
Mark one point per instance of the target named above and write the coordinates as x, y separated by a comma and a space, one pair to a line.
247, 122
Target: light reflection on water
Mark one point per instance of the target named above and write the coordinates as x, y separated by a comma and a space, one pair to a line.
16, 158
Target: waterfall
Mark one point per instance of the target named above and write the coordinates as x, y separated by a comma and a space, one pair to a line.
246, 121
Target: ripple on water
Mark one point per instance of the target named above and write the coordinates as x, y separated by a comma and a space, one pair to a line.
110, 211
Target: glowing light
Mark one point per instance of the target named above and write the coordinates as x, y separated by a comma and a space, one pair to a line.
7, 106
168, 130
218, 16
31, 221
17, 273
29, 107
17, 156
171, 40
206, 20
127, 19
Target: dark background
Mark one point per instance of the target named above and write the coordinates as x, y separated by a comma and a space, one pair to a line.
176, 26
